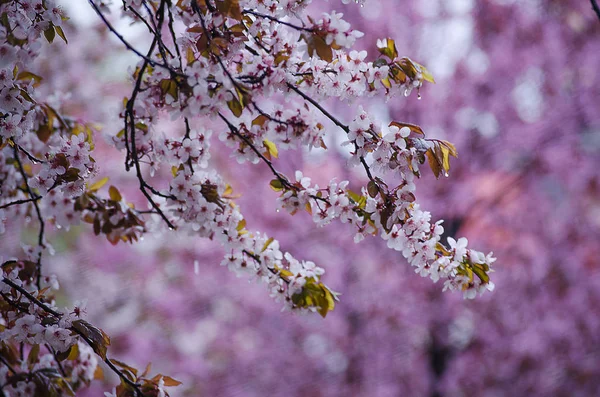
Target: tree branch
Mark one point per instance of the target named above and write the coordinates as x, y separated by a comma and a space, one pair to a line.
39, 216
130, 124
596, 8
17, 202
273, 19
334, 120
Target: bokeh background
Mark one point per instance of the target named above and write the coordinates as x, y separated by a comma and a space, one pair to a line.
518, 93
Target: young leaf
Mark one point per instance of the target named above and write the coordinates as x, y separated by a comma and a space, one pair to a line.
276, 185
241, 225
94, 187
166, 379
25, 76
50, 33
125, 367
73, 353
260, 120
271, 149
32, 357
389, 49
230, 8
235, 106
98, 373
60, 32
413, 127
373, 189
480, 270
99, 341
114, 194
434, 163
267, 243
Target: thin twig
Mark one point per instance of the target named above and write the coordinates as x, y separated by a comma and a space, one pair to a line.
257, 259
146, 58
119, 36
39, 216
30, 156
31, 298
10, 368
280, 177
130, 123
17, 202
270, 18
60, 366
334, 120
158, 29
234, 130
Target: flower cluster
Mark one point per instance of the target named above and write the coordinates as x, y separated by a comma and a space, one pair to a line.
70, 165
31, 317
43, 374
199, 203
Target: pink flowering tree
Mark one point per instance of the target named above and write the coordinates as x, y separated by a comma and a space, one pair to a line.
219, 84
227, 65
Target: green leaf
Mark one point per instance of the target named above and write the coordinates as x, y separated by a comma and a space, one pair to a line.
480, 269
389, 50
267, 243
50, 33
316, 295
25, 75
241, 225
276, 185
32, 357
379, 62
236, 107
60, 32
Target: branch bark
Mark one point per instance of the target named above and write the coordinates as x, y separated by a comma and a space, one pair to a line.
596, 8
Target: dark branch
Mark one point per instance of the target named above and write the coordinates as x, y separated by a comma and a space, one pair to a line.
39, 217
270, 18
596, 8
334, 120
17, 202
30, 156
130, 124
11, 369
119, 36
146, 58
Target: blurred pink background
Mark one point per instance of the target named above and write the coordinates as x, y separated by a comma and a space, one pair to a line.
518, 93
